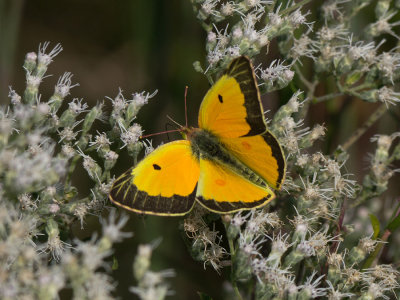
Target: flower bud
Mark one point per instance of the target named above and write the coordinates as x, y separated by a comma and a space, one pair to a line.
110, 160
381, 8
92, 168
293, 258
142, 261
95, 113
30, 62
197, 67
242, 266
67, 119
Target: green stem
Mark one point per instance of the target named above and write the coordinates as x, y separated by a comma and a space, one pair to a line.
361, 87
294, 7
209, 78
310, 93
360, 131
309, 85
71, 169
232, 253
395, 211
327, 97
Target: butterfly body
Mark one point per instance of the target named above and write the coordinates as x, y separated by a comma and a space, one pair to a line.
227, 164
206, 145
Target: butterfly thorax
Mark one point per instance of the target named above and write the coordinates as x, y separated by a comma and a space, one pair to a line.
206, 145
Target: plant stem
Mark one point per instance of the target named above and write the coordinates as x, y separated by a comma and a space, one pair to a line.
232, 253
360, 131
309, 85
71, 169
327, 97
294, 7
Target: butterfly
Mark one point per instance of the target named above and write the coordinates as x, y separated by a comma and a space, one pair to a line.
229, 163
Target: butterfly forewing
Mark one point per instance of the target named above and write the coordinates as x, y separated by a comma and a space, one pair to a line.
232, 112
232, 107
164, 183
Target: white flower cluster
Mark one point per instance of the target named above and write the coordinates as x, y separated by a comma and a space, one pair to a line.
300, 246
39, 259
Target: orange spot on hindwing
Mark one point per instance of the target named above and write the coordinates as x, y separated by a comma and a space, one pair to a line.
246, 145
220, 182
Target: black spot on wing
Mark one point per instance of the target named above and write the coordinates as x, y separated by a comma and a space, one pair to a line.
242, 70
220, 99
156, 167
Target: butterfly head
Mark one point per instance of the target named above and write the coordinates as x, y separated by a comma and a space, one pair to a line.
188, 132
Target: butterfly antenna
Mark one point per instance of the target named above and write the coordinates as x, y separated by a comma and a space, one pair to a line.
166, 128
158, 133
173, 121
186, 118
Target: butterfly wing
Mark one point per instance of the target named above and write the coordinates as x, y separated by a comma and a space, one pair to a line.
163, 183
232, 107
232, 111
261, 153
222, 190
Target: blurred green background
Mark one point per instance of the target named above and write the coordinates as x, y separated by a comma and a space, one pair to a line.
146, 45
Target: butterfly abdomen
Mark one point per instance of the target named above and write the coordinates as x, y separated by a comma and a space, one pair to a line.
206, 145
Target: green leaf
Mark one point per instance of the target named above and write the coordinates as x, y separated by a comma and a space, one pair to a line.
394, 224
375, 225
204, 296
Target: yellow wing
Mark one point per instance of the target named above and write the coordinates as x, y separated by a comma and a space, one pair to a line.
221, 190
163, 183
232, 107
261, 153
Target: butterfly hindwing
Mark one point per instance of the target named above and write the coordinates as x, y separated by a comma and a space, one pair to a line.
262, 154
163, 183
222, 190
232, 107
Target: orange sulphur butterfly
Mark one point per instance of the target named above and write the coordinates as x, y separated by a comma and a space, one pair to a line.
227, 164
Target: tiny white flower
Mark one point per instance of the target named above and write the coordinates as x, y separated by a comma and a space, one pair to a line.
312, 284
112, 227
64, 85
131, 135
43, 57
100, 141
76, 106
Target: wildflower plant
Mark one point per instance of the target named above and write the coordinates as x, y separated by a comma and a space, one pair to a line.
302, 245
41, 146
308, 249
